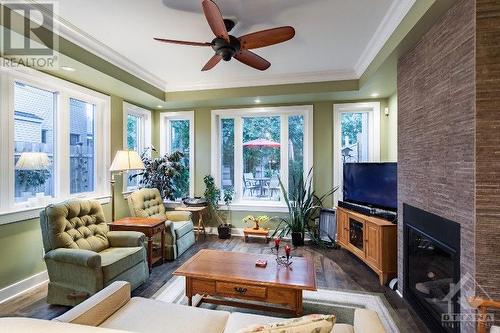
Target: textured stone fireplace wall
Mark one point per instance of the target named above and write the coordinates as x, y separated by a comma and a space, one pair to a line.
436, 128
449, 135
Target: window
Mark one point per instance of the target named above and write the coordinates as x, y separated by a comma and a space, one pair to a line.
256, 148
81, 157
177, 135
59, 144
357, 137
34, 110
137, 137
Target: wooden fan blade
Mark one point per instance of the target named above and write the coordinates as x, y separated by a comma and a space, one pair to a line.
215, 19
267, 37
253, 60
212, 62
182, 42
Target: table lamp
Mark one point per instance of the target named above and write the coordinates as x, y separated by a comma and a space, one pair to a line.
33, 161
125, 160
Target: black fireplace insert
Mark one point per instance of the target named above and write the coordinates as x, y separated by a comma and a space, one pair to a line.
432, 267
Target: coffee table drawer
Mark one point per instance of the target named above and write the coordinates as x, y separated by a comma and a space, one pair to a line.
240, 290
203, 286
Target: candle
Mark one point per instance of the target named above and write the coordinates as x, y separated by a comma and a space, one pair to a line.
277, 243
287, 251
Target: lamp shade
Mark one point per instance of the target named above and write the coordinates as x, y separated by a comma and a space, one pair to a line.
126, 160
33, 161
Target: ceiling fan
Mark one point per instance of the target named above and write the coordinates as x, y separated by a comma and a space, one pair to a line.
227, 46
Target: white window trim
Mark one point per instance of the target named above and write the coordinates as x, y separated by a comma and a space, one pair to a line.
65, 90
284, 112
165, 138
373, 109
144, 133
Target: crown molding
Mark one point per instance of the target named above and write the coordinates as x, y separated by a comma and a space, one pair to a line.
279, 79
386, 28
397, 11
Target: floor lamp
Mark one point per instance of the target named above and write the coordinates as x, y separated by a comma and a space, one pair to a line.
124, 161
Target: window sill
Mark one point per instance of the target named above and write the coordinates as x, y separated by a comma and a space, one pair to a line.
247, 206
27, 213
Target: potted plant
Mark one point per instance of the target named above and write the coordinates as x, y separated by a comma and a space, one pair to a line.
162, 173
212, 195
258, 221
303, 207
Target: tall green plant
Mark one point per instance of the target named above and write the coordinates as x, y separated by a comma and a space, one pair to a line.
163, 173
213, 195
303, 205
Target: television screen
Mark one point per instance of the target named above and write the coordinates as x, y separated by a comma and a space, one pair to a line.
371, 184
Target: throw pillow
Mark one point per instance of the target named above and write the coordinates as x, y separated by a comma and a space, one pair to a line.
314, 323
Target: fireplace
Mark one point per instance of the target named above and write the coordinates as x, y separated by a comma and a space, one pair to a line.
431, 267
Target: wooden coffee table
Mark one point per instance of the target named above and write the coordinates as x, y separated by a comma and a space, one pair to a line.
231, 278
256, 232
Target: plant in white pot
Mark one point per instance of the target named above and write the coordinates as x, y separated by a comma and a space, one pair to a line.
303, 206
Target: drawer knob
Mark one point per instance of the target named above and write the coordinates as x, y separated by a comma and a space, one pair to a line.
240, 290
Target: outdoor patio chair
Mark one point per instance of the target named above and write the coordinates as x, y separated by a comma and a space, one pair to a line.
249, 184
273, 186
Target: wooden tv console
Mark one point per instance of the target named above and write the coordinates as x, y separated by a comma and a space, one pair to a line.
372, 239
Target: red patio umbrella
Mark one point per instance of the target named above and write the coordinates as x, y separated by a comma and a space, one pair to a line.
262, 143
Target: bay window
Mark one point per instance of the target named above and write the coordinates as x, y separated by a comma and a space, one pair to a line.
54, 139
137, 137
258, 149
177, 135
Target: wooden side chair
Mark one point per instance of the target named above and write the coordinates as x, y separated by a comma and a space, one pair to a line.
483, 305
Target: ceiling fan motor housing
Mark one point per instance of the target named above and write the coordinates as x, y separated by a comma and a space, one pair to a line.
224, 49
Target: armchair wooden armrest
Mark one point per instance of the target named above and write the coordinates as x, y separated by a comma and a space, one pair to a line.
482, 305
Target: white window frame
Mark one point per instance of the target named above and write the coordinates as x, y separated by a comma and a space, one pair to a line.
237, 114
373, 109
11, 211
144, 134
165, 139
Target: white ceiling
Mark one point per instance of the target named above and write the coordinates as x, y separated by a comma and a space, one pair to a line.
335, 39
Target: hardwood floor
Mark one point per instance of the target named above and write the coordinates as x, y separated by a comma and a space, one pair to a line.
335, 269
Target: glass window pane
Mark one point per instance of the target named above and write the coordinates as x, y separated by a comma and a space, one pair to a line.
133, 143
295, 149
34, 111
227, 154
179, 141
261, 158
354, 136
82, 146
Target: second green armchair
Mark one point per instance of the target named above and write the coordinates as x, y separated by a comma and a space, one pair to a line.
147, 202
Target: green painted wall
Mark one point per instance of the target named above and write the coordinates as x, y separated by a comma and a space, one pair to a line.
323, 148
392, 131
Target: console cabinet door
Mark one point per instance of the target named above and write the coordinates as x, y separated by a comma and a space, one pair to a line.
372, 244
342, 227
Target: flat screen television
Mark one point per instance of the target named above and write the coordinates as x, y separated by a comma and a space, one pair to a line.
371, 184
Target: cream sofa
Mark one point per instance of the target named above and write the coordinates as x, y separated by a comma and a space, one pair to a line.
113, 311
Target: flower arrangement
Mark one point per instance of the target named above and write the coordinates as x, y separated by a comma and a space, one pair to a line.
258, 221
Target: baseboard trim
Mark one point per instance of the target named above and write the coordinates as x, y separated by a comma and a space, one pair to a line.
22, 286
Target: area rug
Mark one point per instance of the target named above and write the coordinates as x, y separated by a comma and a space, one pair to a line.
341, 303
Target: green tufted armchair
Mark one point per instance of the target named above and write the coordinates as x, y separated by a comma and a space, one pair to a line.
83, 256
147, 202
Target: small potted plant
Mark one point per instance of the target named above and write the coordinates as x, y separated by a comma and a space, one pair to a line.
257, 221
212, 195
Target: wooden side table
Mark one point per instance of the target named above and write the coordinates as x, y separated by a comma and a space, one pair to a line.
197, 212
149, 227
261, 232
